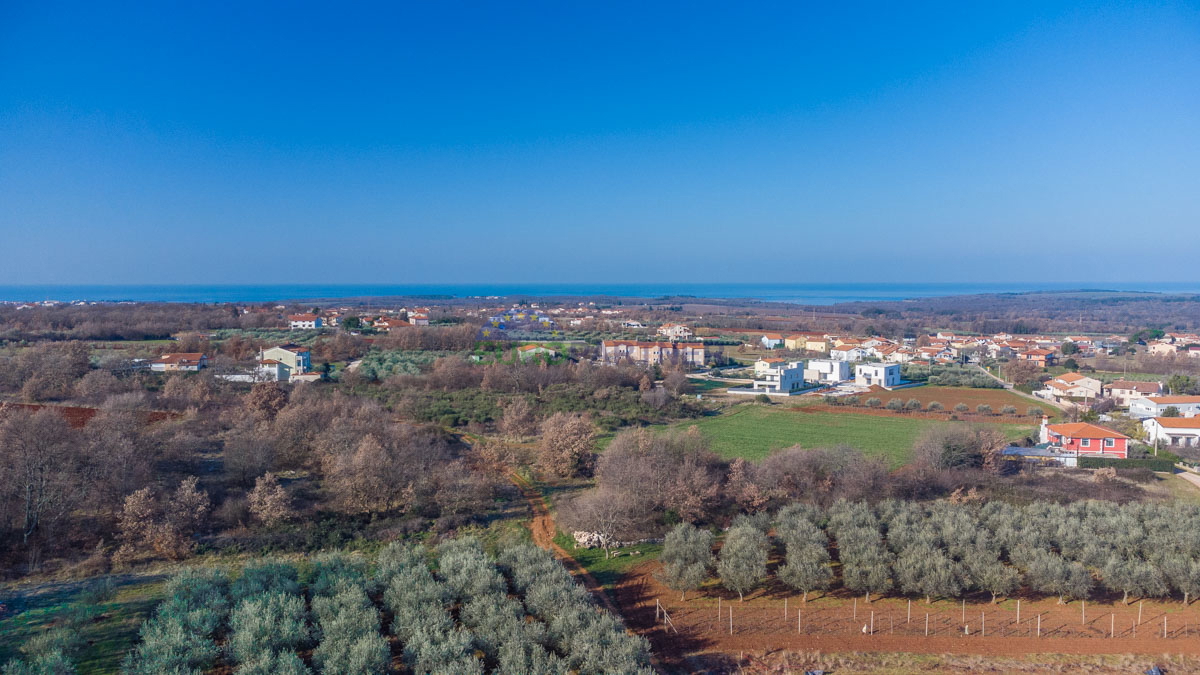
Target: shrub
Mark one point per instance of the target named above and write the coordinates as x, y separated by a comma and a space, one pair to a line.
962, 408
1034, 411
874, 402
983, 409
936, 405
1009, 410
895, 404
912, 404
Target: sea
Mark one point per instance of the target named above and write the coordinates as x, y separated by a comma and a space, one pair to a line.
799, 293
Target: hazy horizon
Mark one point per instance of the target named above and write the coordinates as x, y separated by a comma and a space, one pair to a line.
701, 142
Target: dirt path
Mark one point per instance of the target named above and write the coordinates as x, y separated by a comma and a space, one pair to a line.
543, 529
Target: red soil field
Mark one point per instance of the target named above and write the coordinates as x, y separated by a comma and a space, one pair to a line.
78, 416
836, 625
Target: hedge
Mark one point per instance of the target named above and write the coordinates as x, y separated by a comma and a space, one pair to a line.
1102, 462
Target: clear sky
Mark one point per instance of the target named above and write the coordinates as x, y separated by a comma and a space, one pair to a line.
246, 142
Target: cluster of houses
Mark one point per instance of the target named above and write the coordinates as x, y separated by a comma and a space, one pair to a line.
285, 363
384, 322
521, 317
652, 353
1167, 420
1175, 344
942, 347
780, 377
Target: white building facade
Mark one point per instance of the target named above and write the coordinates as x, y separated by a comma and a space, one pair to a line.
886, 375
827, 371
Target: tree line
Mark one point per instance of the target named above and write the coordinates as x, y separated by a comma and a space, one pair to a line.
943, 550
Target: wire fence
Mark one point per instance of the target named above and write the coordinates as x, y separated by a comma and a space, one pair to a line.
919, 621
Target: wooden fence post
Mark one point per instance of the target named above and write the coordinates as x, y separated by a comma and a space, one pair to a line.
1018, 611
1039, 634
1083, 612
909, 611
926, 624
1112, 626
854, 616
873, 622
731, 620
1140, 612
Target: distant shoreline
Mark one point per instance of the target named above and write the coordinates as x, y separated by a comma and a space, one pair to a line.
801, 293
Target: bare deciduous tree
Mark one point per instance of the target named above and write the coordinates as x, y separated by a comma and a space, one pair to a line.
567, 445
269, 501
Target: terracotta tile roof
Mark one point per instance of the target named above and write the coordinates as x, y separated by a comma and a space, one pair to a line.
1143, 387
1178, 422
302, 317
1083, 430
1071, 377
180, 358
1168, 400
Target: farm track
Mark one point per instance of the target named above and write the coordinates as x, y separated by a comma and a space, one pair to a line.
543, 528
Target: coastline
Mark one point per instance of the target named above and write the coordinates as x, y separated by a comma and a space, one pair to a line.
799, 293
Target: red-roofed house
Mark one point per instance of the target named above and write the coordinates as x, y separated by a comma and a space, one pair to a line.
304, 321
1042, 357
169, 363
1124, 392
1082, 438
1177, 431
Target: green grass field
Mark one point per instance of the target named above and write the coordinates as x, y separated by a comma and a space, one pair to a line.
753, 431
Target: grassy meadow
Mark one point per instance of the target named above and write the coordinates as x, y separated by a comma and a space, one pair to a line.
753, 431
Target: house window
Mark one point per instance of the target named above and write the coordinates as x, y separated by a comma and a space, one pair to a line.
1085, 443
1110, 442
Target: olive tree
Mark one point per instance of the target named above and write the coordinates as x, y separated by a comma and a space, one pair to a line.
686, 558
743, 562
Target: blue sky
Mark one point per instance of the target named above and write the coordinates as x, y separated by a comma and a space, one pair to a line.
598, 142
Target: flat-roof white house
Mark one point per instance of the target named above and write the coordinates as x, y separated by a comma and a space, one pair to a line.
1177, 431
827, 371
886, 375
1155, 406
785, 379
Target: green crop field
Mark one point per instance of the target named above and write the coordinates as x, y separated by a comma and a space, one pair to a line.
753, 431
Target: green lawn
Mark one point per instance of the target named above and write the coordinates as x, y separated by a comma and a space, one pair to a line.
705, 386
607, 571
753, 431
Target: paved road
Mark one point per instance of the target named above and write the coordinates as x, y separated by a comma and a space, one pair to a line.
1190, 477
